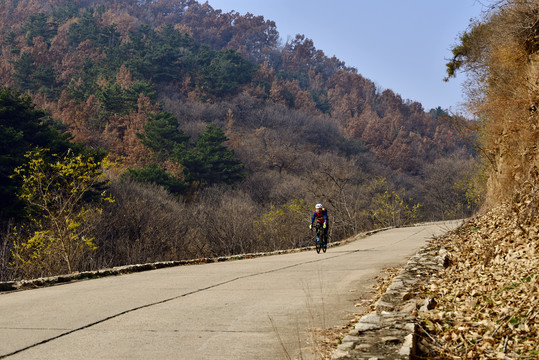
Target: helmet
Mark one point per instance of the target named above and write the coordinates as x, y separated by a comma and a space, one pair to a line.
318, 206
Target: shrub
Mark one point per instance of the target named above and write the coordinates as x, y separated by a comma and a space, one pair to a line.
285, 227
56, 194
222, 222
144, 224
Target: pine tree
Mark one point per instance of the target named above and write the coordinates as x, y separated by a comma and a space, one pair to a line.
24, 71
22, 128
210, 162
163, 136
153, 174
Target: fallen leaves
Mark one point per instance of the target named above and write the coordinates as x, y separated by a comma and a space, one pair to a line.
488, 299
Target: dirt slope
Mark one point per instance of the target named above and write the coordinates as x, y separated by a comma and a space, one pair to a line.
488, 298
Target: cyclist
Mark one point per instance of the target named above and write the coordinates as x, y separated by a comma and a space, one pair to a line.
321, 216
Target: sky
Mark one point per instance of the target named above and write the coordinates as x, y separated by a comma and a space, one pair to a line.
402, 45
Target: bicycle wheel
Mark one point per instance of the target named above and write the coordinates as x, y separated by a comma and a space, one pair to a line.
325, 245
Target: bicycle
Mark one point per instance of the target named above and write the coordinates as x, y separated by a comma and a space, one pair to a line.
320, 241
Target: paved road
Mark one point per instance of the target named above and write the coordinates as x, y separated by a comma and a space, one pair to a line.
248, 309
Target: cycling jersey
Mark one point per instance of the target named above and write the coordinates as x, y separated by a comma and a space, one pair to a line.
320, 217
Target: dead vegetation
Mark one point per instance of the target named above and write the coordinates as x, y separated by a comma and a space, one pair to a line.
488, 299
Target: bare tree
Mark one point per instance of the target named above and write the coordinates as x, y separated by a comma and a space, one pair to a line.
337, 183
222, 222
448, 186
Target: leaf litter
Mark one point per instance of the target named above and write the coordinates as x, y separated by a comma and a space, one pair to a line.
488, 298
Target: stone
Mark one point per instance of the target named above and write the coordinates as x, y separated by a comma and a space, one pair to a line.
408, 346
371, 319
409, 307
349, 338
362, 327
383, 306
391, 331
364, 347
346, 346
411, 327
396, 285
339, 354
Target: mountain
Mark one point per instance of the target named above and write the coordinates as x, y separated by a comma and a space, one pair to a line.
64, 52
214, 109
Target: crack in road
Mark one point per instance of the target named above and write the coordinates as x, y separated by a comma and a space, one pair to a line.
327, 257
30, 328
167, 300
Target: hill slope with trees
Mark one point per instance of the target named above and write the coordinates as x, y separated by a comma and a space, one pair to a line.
218, 138
487, 299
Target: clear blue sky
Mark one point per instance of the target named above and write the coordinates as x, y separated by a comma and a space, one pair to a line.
400, 45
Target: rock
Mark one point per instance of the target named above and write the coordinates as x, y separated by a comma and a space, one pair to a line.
409, 307
340, 355
408, 346
345, 346
391, 340
362, 327
428, 304
349, 338
371, 319
383, 306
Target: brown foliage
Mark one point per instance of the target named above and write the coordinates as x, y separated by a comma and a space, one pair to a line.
124, 22
449, 187
503, 76
253, 36
487, 298
6, 246
276, 151
338, 184
308, 80
262, 80
120, 134
6, 67
67, 62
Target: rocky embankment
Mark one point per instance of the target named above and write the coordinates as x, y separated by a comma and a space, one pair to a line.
391, 330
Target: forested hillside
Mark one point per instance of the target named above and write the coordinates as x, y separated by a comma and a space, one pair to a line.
198, 133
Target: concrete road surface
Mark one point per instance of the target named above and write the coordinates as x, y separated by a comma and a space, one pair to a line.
249, 309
